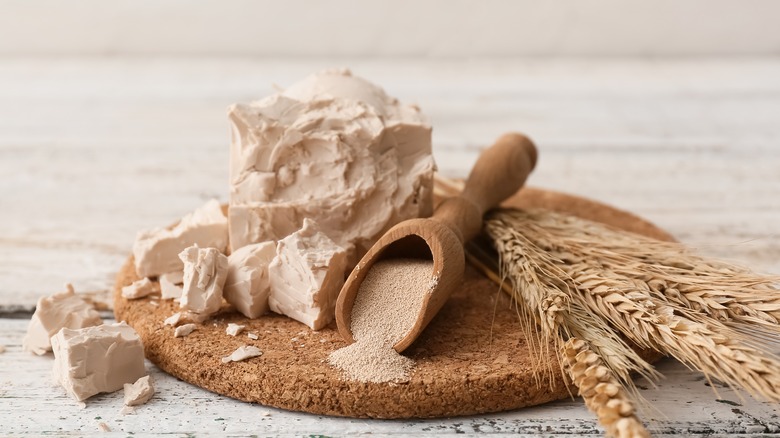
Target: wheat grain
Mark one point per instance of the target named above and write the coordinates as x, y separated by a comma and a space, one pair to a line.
601, 391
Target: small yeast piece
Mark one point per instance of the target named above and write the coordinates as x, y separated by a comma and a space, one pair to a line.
306, 276
138, 289
156, 250
98, 359
139, 392
197, 318
173, 320
242, 353
247, 286
170, 285
205, 271
61, 310
184, 330
182, 317
234, 329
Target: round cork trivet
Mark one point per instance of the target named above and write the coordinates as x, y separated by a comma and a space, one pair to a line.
473, 358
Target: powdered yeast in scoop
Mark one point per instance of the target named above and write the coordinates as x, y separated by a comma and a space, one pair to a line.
385, 310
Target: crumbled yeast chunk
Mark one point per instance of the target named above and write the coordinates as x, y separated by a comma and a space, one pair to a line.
205, 271
247, 286
173, 320
184, 330
139, 289
171, 285
156, 250
234, 329
306, 276
139, 392
242, 353
184, 317
61, 310
97, 359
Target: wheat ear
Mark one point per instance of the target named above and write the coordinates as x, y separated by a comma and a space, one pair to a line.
542, 295
601, 391
671, 271
641, 314
700, 342
540, 300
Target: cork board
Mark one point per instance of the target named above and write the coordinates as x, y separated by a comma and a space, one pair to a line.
472, 358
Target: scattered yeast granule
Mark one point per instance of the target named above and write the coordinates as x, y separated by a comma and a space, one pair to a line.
385, 310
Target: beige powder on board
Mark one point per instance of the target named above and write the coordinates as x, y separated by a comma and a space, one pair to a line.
385, 309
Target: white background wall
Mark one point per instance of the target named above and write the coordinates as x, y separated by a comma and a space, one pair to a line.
390, 27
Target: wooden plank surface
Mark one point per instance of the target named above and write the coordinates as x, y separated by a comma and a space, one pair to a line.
181, 409
92, 150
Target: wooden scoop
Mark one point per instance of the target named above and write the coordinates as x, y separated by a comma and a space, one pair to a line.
499, 172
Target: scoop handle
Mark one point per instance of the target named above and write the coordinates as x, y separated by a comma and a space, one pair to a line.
499, 172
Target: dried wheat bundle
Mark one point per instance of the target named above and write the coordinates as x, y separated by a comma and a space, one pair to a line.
601, 391
627, 283
593, 285
542, 299
541, 302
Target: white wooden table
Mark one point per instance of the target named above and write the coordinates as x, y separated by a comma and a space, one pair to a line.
91, 150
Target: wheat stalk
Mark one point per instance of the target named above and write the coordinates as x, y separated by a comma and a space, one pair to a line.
601, 390
614, 283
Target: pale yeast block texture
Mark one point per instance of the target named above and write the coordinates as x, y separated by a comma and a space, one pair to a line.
306, 276
97, 359
139, 392
171, 285
248, 285
333, 148
184, 330
234, 329
243, 352
157, 250
139, 289
205, 271
61, 310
